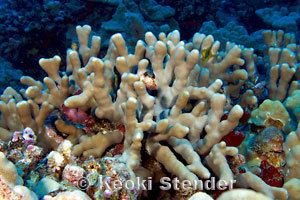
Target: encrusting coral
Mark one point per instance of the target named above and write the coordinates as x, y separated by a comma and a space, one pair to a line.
176, 100
270, 113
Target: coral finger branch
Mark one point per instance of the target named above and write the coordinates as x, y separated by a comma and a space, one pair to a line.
191, 111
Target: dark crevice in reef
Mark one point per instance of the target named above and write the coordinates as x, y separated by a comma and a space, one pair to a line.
191, 14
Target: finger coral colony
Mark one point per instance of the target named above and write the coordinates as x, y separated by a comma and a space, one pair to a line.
165, 109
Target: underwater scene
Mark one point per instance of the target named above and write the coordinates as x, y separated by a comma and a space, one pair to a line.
149, 100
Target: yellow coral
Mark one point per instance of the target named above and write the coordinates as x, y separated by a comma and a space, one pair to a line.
270, 113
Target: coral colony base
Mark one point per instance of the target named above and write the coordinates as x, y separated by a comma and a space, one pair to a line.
179, 120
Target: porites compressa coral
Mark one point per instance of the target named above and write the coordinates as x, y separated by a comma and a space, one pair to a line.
176, 100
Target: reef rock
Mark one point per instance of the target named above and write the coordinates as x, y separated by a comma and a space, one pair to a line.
270, 113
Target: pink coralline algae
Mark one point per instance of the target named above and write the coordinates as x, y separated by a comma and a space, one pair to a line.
52, 134
27, 136
76, 115
7, 193
73, 174
237, 163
